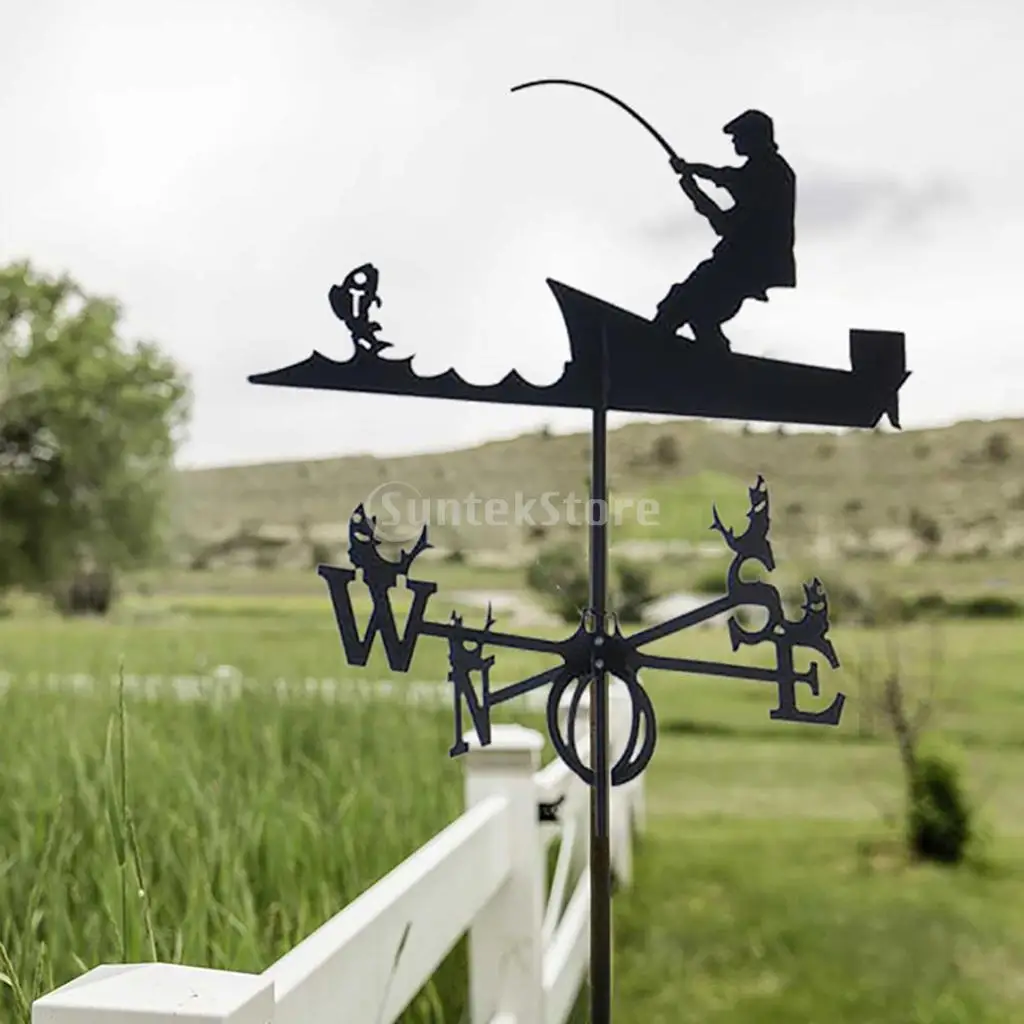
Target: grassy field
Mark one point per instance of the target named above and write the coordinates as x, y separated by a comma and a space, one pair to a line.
770, 886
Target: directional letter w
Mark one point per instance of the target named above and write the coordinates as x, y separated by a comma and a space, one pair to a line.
399, 649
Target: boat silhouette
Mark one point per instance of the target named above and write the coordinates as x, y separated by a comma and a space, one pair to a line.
649, 370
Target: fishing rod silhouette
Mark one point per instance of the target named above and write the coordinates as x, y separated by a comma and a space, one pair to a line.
662, 141
679, 165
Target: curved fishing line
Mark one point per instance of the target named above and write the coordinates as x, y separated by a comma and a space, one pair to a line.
608, 96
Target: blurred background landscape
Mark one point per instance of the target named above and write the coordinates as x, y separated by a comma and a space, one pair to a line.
191, 772
183, 782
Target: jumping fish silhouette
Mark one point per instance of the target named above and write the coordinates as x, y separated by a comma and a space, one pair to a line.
351, 302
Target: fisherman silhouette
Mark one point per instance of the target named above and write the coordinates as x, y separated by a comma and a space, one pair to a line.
755, 252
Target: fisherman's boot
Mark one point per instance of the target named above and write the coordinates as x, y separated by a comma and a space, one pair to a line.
710, 338
672, 311
667, 308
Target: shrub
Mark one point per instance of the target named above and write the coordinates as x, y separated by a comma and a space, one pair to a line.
931, 603
87, 593
939, 818
561, 573
666, 451
634, 591
711, 581
998, 448
265, 554
200, 560
536, 532
990, 606
925, 528
319, 554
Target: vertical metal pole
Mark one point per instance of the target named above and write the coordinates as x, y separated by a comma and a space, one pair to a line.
600, 793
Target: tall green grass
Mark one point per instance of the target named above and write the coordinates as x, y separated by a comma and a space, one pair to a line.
222, 833
217, 833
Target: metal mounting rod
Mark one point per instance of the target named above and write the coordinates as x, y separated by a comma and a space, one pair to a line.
600, 792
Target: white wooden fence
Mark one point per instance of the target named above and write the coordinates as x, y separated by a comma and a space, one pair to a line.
485, 875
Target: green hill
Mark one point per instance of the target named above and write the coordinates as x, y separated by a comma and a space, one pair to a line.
956, 490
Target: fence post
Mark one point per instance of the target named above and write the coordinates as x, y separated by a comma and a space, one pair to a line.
158, 994
636, 790
506, 959
578, 800
619, 713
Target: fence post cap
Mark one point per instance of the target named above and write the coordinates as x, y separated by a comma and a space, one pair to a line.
511, 746
617, 690
158, 993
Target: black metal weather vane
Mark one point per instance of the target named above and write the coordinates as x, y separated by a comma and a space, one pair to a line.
623, 656
623, 361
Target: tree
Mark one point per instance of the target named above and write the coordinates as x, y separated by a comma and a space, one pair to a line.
666, 452
998, 447
925, 528
88, 430
560, 573
939, 820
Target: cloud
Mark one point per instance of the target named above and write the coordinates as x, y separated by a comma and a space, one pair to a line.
829, 201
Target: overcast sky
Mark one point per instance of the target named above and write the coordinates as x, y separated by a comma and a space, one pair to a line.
217, 165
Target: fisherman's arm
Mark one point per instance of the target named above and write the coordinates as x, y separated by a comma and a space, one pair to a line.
721, 176
705, 205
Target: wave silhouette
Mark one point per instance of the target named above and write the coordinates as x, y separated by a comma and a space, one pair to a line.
648, 371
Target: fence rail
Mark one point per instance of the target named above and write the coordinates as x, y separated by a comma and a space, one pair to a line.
484, 876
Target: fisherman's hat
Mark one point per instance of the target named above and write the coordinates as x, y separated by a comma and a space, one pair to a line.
751, 122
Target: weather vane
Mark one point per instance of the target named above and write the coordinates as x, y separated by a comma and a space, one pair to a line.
623, 361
